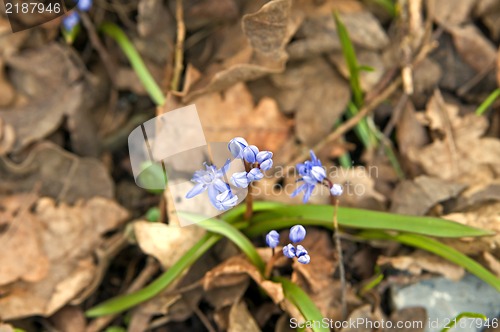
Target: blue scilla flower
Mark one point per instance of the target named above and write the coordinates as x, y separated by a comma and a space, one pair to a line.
272, 239
312, 173
71, 20
84, 5
336, 190
250, 154
297, 233
211, 179
236, 147
289, 251
302, 255
264, 158
225, 200
243, 179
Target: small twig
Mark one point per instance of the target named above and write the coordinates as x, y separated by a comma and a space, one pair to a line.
249, 199
179, 46
338, 248
270, 263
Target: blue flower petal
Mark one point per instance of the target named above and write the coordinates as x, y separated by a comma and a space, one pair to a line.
289, 251
196, 190
272, 239
297, 233
305, 259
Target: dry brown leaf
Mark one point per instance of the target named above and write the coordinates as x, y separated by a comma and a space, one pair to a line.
317, 105
7, 137
267, 32
60, 174
416, 197
67, 236
7, 93
51, 79
498, 66
420, 261
167, 243
69, 319
451, 157
451, 12
200, 13
240, 319
359, 186
236, 269
485, 217
6, 328
475, 49
367, 315
233, 113
492, 263
24, 258
319, 34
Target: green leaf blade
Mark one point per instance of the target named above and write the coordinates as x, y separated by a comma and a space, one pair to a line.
303, 302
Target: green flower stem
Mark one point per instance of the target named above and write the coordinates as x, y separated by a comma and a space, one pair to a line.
135, 59
463, 315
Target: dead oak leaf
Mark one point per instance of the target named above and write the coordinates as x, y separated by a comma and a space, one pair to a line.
233, 113
267, 32
61, 174
451, 156
167, 243
68, 235
23, 257
416, 197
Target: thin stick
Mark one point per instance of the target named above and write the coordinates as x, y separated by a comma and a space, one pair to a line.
338, 248
179, 46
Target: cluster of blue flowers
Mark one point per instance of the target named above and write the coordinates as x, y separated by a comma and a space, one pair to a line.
297, 234
256, 161
211, 179
73, 18
312, 173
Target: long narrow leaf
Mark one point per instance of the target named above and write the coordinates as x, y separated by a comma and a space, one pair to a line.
135, 59
362, 219
440, 249
128, 301
221, 227
303, 302
488, 102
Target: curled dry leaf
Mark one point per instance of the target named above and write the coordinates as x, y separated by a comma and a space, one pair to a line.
6, 328
236, 269
167, 243
420, 261
267, 32
66, 237
60, 174
418, 196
